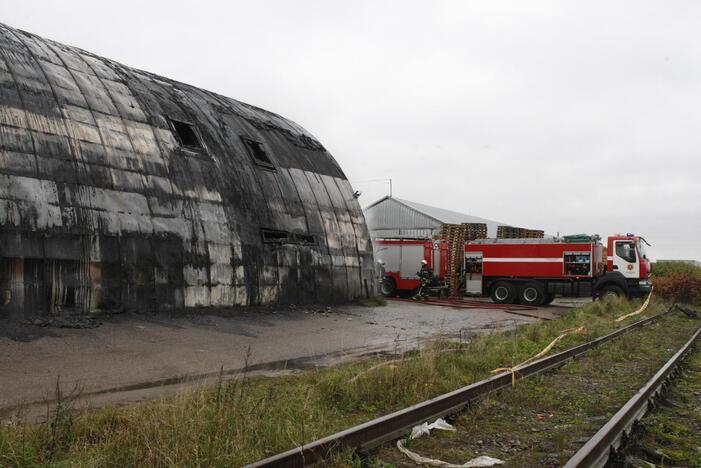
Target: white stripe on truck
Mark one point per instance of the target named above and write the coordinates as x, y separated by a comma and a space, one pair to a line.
522, 260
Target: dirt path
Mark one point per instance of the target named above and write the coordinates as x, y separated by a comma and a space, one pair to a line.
132, 358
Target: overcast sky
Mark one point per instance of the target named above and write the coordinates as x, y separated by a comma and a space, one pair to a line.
565, 116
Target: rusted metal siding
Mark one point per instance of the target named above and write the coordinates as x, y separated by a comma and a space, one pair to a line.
102, 207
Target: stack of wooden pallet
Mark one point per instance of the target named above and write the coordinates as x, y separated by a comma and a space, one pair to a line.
511, 232
475, 231
454, 235
534, 234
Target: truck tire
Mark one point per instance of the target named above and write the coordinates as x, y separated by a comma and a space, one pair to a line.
388, 286
504, 292
532, 294
611, 291
549, 298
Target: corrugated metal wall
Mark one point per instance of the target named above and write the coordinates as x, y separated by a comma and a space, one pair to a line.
404, 233
391, 218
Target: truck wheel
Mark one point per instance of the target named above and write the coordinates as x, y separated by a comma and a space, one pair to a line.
611, 291
504, 293
549, 298
532, 294
388, 286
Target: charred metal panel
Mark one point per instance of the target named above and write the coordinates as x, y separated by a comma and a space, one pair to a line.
123, 189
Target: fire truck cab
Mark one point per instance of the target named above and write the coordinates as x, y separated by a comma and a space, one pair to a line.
627, 265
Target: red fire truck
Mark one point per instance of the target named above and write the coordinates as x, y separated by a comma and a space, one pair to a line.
529, 271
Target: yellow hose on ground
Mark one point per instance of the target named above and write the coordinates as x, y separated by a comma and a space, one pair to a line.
642, 308
539, 355
561, 336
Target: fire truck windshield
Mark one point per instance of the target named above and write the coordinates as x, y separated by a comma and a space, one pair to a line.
642, 249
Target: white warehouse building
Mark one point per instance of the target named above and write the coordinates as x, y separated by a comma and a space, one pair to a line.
396, 217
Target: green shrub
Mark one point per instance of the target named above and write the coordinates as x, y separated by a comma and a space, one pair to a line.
677, 281
679, 287
665, 269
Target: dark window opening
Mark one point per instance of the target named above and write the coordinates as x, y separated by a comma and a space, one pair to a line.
186, 134
257, 151
275, 237
70, 297
306, 239
271, 236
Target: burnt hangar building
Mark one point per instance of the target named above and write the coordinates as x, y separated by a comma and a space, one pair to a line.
120, 188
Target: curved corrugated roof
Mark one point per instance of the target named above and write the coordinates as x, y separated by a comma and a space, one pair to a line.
119, 187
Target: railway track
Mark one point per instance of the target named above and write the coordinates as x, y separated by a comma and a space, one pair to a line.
603, 446
371, 434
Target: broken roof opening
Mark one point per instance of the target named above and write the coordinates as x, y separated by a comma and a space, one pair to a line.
187, 134
257, 151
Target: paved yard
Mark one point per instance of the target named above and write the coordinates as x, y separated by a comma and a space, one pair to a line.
132, 358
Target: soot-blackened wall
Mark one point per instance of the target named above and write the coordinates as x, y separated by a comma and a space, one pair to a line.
120, 188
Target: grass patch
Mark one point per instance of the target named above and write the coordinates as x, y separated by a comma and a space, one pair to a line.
373, 301
242, 420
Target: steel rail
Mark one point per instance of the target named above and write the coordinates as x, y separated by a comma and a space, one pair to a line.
373, 433
597, 450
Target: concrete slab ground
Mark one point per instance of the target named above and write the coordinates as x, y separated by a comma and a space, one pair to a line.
131, 358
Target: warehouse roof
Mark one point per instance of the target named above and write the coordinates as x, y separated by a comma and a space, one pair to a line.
441, 215
446, 216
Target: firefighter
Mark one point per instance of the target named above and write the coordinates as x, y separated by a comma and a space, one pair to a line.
380, 270
380, 274
425, 275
